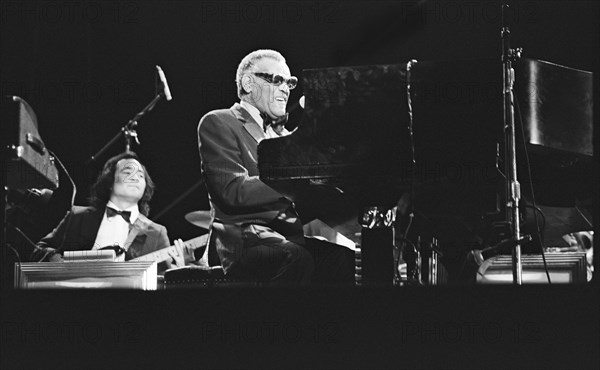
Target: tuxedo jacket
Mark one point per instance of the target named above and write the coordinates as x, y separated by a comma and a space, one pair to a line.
227, 141
78, 231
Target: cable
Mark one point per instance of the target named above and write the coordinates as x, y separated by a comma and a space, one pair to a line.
68, 176
69, 214
411, 214
24, 236
16, 254
538, 209
177, 200
30, 242
537, 226
410, 220
412, 144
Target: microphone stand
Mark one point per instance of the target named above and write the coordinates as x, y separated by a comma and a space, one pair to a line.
512, 183
128, 131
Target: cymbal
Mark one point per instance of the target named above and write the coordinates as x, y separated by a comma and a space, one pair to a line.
199, 218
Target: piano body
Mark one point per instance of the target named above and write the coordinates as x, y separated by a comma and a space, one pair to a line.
355, 135
556, 104
354, 123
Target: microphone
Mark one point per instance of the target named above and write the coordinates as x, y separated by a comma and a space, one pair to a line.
299, 103
163, 80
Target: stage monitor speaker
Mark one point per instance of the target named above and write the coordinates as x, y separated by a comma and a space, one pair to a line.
564, 268
97, 274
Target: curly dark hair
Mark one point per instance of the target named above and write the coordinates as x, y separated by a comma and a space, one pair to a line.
102, 188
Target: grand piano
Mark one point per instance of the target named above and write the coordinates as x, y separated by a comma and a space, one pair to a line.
356, 135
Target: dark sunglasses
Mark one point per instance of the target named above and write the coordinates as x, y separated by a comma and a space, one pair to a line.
277, 80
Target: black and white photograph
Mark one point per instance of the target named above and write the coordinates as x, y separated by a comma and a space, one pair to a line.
194, 184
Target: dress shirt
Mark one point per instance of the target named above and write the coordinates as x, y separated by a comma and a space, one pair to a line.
255, 113
114, 230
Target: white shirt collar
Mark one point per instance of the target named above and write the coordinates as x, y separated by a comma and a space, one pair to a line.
254, 112
135, 211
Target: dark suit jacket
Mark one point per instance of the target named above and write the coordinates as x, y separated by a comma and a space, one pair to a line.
227, 140
78, 231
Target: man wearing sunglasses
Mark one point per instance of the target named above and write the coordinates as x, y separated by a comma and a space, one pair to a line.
116, 219
256, 230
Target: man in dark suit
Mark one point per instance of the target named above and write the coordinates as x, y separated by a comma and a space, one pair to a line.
117, 218
256, 230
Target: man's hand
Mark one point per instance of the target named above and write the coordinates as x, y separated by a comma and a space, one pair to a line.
182, 255
51, 255
56, 257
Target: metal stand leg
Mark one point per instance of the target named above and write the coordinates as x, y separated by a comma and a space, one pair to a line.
4, 273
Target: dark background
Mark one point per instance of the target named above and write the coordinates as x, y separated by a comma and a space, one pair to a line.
86, 67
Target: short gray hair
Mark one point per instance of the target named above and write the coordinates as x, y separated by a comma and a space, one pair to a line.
249, 61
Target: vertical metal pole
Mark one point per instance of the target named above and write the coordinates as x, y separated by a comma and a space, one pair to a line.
3, 238
514, 190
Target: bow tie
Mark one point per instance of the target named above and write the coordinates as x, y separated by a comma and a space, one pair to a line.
111, 212
277, 122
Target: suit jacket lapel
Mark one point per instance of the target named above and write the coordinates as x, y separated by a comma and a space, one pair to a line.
139, 227
248, 122
91, 225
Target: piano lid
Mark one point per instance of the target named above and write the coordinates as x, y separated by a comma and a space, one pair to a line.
355, 118
556, 106
355, 126
354, 129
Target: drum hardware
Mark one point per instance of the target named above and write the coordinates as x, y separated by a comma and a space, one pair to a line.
378, 235
422, 264
202, 219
